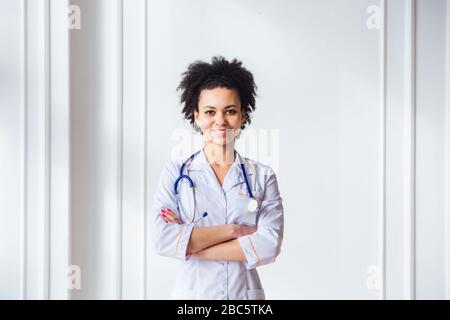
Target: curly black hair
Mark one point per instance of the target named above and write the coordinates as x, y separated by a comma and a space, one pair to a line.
219, 73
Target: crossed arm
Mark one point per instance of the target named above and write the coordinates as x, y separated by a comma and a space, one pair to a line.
221, 246
214, 243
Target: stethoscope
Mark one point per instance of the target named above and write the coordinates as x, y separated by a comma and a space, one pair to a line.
252, 206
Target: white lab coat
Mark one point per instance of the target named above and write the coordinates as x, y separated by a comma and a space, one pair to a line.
226, 204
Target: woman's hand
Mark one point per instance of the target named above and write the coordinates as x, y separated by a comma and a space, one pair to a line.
169, 217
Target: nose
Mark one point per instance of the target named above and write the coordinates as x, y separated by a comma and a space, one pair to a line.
219, 119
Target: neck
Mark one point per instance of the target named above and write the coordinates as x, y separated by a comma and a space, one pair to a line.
220, 155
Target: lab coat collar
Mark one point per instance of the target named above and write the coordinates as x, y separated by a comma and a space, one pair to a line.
199, 163
234, 176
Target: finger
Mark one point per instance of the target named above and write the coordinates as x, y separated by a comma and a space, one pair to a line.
172, 215
168, 218
175, 219
171, 212
164, 218
166, 213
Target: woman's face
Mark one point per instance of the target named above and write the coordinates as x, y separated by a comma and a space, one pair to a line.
219, 115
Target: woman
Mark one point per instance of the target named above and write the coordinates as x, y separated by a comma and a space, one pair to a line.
238, 222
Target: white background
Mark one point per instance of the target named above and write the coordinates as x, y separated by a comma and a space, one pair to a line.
353, 114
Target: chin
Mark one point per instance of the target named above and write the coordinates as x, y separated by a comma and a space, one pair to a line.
222, 140
219, 141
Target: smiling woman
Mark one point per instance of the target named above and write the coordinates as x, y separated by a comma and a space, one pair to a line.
223, 247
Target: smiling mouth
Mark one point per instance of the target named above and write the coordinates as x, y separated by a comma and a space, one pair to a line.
223, 133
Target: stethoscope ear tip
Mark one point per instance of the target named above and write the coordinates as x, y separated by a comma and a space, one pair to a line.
205, 214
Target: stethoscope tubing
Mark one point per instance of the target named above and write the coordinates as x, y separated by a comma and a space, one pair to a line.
191, 186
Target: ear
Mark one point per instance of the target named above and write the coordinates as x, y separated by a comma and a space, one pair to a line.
196, 115
244, 118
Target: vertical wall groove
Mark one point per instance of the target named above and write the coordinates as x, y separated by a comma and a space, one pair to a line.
144, 283
410, 143
382, 151
120, 161
447, 155
24, 135
47, 255
413, 149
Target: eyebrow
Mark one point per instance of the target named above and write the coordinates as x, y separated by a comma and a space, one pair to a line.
227, 107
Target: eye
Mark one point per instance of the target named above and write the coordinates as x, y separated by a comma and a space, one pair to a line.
232, 112
209, 112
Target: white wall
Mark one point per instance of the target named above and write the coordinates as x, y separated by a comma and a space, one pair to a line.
432, 145
108, 143
354, 120
11, 243
34, 150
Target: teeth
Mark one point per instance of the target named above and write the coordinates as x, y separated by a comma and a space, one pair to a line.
221, 130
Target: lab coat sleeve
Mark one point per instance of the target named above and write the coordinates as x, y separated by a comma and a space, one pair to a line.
170, 239
263, 246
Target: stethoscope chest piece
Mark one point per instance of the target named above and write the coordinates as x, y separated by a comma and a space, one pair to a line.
253, 205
